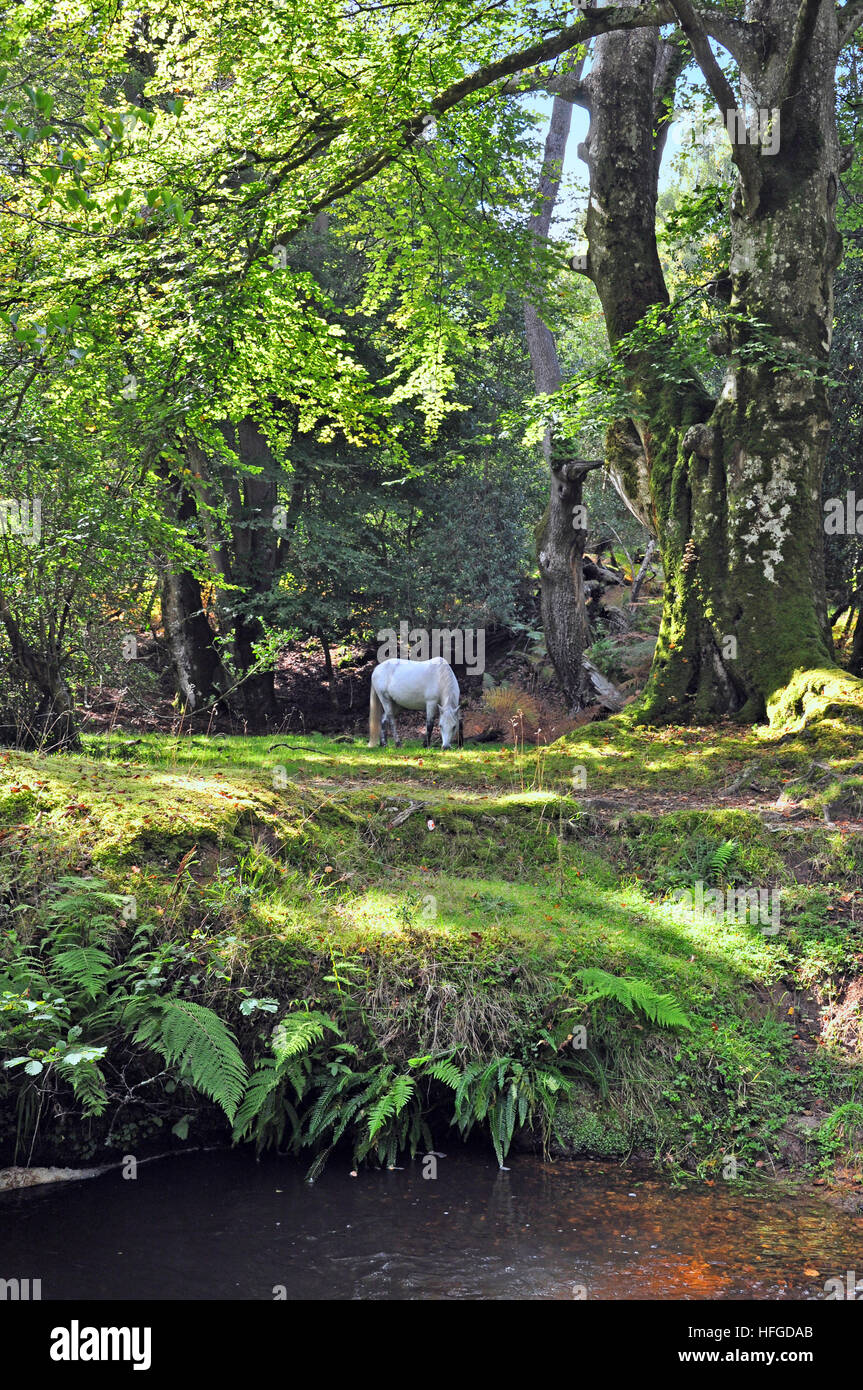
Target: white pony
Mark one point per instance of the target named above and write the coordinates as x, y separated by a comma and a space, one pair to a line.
429, 685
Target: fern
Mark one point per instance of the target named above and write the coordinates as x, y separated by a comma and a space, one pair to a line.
332, 1102
88, 1083
264, 1105
391, 1103
445, 1071
319, 1164
297, 1032
86, 967
721, 857
662, 1009
264, 1080
83, 907
197, 1039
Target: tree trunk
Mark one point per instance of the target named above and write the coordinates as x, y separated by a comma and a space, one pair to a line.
642, 573
196, 667
195, 664
329, 671
559, 535
247, 560
53, 725
254, 698
855, 662
735, 483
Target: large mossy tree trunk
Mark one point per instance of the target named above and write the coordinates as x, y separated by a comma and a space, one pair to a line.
734, 483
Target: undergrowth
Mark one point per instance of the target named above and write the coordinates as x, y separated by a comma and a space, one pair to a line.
329, 959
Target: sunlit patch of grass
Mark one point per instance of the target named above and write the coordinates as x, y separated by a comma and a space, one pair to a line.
285, 859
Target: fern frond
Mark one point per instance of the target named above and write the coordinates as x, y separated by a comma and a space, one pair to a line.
296, 1033
263, 1081
446, 1071
319, 1164
331, 1103
662, 1009
86, 967
468, 1076
347, 1114
88, 1084
197, 1039
721, 857
391, 1103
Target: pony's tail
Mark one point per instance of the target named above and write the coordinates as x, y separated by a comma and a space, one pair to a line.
376, 709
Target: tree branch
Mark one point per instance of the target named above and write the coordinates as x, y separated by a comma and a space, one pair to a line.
741, 37
670, 62
744, 155
804, 25
850, 19
590, 23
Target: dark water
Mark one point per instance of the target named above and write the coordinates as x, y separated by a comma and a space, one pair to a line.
220, 1226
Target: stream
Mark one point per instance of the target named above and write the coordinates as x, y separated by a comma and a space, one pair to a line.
221, 1226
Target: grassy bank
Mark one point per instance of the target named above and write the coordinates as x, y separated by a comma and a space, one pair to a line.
307, 943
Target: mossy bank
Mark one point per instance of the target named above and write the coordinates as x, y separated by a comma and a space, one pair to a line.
330, 949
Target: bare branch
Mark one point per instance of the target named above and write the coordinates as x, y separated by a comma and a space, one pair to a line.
850, 19
741, 37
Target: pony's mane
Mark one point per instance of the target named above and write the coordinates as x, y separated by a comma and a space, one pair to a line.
451, 692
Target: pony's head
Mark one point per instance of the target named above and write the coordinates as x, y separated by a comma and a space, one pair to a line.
449, 726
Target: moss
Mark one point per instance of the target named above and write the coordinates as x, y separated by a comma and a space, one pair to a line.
469, 935
581, 1129
819, 695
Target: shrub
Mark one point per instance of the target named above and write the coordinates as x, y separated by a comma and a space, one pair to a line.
512, 710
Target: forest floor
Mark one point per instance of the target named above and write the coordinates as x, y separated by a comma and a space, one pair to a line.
306, 704
444, 904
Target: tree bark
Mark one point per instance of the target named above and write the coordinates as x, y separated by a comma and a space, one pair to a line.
196, 667
53, 725
733, 483
559, 535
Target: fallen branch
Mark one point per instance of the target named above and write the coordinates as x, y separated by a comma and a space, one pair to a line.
403, 815
639, 578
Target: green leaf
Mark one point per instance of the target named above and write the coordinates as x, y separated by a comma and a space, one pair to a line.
197, 1039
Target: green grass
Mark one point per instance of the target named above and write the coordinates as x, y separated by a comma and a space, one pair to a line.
279, 872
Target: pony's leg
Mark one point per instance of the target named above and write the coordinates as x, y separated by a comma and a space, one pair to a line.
431, 712
389, 719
